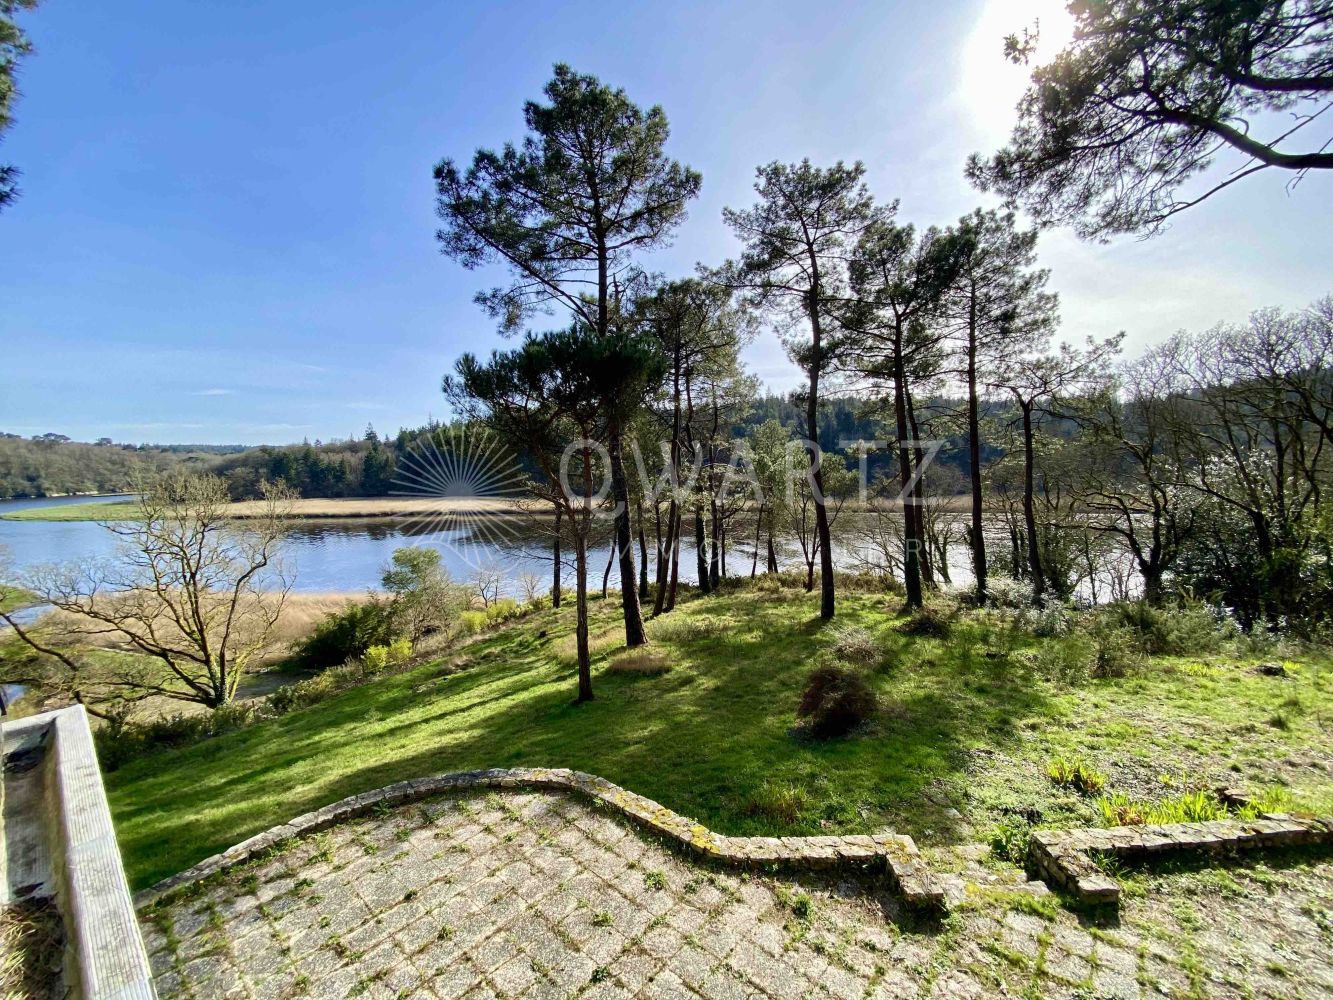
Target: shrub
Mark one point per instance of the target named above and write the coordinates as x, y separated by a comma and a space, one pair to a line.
640, 662
836, 700
345, 634
502, 610
471, 622
1006, 592
855, 645
376, 659
1075, 773
400, 651
1067, 660
117, 745
1116, 650
1192, 628
932, 621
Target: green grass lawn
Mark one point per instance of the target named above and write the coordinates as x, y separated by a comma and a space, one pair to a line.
966, 727
106, 510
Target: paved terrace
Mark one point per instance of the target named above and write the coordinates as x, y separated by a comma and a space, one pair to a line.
529, 894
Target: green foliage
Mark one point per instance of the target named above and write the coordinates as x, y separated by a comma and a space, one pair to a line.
127, 740
1075, 773
1112, 131
836, 700
346, 634
1009, 839
589, 185
423, 600
1199, 806
472, 622
1190, 629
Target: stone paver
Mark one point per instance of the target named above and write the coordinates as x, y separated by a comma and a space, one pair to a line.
526, 894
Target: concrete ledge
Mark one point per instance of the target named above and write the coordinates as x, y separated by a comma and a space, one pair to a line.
896, 855
1067, 858
105, 956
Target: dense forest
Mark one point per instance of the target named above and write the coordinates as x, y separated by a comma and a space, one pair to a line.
52, 465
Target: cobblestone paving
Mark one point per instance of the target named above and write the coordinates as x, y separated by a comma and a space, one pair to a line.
535, 896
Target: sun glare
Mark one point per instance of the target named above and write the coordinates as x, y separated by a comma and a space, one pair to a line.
989, 85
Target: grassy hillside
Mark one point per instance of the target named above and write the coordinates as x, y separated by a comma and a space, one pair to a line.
967, 726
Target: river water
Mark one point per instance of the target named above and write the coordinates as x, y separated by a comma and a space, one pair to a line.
344, 555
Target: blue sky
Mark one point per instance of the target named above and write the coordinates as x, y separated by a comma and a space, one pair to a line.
226, 231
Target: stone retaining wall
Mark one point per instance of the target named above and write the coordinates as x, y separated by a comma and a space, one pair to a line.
70, 837
1067, 858
898, 855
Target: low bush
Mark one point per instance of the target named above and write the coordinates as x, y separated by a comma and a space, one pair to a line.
471, 622
117, 745
933, 621
1190, 629
836, 700
1006, 592
1116, 650
502, 610
345, 634
641, 662
377, 659
1067, 660
1075, 773
855, 645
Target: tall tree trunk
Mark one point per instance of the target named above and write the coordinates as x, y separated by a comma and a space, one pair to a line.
715, 551
643, 559
606, 573
772, 553
1029, 506
919, 495
581, 602
826, 595
675, 559
701, 550
911, 540
635, 635
714, 525
664, 560
978, 537
555, 560
758, 527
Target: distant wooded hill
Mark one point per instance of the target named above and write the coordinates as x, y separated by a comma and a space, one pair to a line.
53, 465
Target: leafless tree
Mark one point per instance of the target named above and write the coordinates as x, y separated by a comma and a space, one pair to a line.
192, 592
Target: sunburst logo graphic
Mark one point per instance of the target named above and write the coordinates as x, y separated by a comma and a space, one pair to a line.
472, 493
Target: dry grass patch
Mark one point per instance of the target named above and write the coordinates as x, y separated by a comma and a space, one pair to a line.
31, 950
567, 651
642, 662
